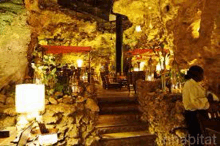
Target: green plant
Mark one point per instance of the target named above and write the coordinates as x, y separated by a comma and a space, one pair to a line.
45, 74
58, 87
37, 53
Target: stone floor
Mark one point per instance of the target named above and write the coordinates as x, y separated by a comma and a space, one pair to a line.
119, 121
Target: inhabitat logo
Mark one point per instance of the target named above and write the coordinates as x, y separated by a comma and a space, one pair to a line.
191, 140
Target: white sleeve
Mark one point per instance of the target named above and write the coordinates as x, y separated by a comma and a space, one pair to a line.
200, 103
194, 99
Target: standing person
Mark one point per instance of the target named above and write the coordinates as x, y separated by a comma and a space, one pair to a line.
195, 100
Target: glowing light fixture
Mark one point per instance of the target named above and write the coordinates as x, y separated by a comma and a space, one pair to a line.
142, 65
158, 67
30, 98
79, 63
48, 139
138, 28
136, 69
150, 77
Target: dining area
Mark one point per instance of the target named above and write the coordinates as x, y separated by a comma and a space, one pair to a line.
118, 81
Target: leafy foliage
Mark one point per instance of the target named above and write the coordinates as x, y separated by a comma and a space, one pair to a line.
44, 73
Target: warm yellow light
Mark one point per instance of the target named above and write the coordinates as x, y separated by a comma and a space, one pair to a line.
34, 115
158, 67
85, 78
30, 98
150, 77
136, 69
22, 120
150, 25
48, 139
184, 71
142, 65
195, 28
138, 28
79, 63
193, 62
167, 62
112, 17
75, 88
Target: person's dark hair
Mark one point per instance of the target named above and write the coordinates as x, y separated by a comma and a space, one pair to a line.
194, 72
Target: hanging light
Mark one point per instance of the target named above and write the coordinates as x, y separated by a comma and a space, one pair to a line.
138, 28
79, 62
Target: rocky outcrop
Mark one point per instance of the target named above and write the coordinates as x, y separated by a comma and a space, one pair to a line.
74, 117
163, 112
14, 40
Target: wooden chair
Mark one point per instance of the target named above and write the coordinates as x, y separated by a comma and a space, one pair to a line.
102, 74
133, 77
210, 125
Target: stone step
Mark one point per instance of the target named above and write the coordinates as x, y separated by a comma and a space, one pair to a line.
123, 127
107, 108
119, 118
139, 138
117, 99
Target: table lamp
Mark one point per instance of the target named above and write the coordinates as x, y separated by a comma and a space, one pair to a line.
30, 98
29, 102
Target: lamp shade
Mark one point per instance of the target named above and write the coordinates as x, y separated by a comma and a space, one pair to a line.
30, 98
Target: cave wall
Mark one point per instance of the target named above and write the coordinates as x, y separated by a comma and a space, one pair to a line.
14, 40
203, 49
191, 28
53, 25
153, 16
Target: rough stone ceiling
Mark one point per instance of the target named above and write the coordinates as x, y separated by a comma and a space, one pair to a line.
189, 27
185, 26
178, 22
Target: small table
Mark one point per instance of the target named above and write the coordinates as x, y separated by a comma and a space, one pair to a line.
122, 80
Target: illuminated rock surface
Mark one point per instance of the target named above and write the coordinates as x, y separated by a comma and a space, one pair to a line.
14, 40
189, 27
